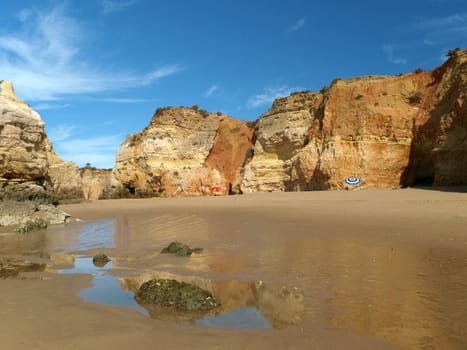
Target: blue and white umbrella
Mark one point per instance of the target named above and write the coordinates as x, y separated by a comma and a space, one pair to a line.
353, 181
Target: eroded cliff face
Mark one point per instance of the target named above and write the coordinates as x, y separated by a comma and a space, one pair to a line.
29, 167
101, 184
387, 131
184, 151
439, 149
280, 134
23, 156
365, 130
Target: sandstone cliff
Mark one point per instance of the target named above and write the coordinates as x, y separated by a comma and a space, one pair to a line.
101, 184
393, 131
23, 155
184, 151
29, 167
388, 131
31, 174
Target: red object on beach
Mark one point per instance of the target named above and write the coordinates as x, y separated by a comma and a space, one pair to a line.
216, 190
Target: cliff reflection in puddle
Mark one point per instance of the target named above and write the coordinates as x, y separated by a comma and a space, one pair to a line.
244, 305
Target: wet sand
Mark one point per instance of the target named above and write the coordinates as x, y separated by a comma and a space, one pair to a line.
370, 269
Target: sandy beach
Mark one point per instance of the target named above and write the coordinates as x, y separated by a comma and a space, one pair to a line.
369, 269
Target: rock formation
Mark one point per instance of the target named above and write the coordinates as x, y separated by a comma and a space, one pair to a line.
23, 147
30, 170
29, 167
393, 131
388, 131
184, 151
280, 134
101, 184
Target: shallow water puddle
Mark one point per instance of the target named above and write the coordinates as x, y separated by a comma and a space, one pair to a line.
95, 234
243, 318
106, 289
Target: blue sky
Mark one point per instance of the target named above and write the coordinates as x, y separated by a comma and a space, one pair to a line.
96, 70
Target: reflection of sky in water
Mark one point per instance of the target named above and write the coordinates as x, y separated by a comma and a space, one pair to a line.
95, 234
243, 318
105, 288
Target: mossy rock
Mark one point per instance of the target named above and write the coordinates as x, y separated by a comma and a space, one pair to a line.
180, 249
181, 296
32, 225
100, 260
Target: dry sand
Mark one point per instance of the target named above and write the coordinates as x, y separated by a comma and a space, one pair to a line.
377, 269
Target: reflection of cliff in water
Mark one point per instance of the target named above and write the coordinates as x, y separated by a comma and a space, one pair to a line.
12, 268
406, 292
243, 304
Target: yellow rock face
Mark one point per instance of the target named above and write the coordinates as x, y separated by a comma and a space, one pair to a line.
28, 163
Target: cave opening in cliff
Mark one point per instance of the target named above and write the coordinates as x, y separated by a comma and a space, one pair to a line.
131, 189
424, 175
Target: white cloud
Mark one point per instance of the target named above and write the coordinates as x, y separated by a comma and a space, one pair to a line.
49, 106
161, 72
439, 30
211, 91
43, 60
269, 95
61, 132
454, 21
24, 15
99, 151
109, 6
389, 49
297, 25
123, 100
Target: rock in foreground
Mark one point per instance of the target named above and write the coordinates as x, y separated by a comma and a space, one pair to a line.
181, 296
19, 212
180, 249
100, 260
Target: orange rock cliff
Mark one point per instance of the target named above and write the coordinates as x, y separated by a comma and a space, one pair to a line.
389, 131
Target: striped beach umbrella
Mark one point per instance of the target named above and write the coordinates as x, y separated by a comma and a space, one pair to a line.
352, 181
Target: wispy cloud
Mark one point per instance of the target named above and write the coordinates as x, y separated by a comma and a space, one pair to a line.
269, 95
454, 21
211, 91
389, 50
109, 6
61, 132
123, 100
49, 106
99, 151
161, 73
442, 30
434, 32
297, 25
43, 60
